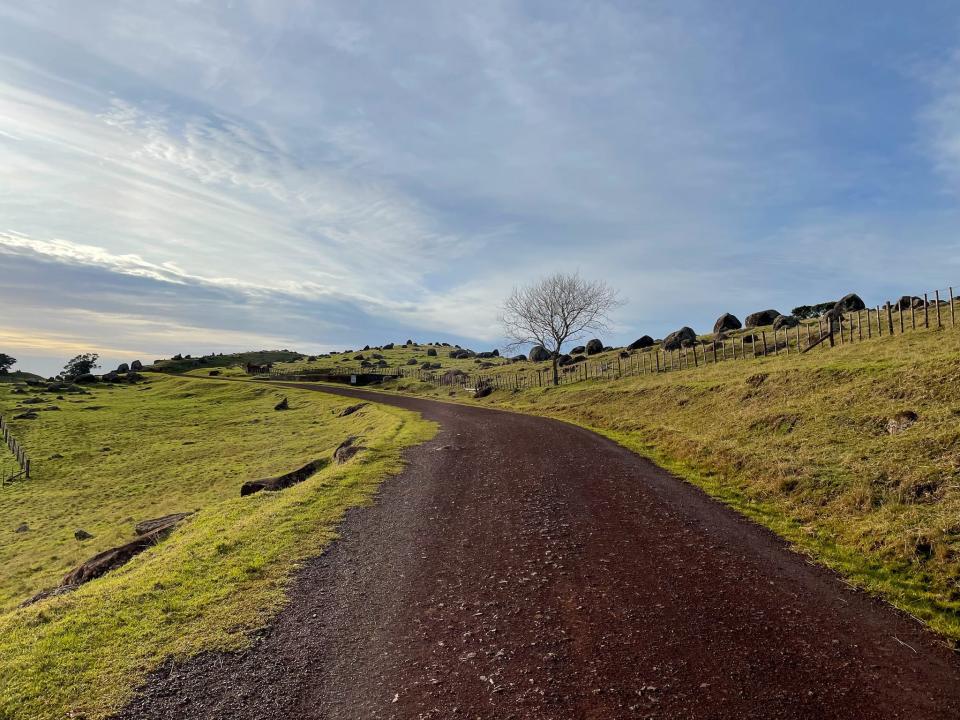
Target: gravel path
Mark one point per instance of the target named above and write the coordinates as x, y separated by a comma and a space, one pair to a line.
524, 568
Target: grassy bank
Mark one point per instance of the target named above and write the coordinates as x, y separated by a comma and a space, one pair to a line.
801, 444
147, 450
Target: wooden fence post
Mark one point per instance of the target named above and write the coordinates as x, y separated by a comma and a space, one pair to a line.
926, 311
763, 335
889, 318
953, 318
936, 294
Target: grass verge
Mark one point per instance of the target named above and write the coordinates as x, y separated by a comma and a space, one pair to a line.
175, 444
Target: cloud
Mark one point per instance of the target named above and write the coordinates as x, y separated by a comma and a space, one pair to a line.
320, 173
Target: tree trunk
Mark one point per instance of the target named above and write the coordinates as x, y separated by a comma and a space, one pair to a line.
556, 372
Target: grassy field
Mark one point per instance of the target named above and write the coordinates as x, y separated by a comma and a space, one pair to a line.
130, 453
801, 444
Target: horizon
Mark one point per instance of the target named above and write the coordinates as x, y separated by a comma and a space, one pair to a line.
219, 178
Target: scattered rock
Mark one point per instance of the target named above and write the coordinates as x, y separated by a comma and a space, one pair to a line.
538, 353
148, 526
850, 303
519, 358
104, 562
85, 379
594, 346
358, 357
483, 391
564, 360
901, 421
22, 528
351, 409
282, 405
213, 373
761, 318
487, 355
81, 534
26, 416
578, 350
136, 365
640, 343
431, 352
757, 380
624, 354
388, 346
346, 450
412, 361
785, 321
450, 376
283, 481
679, 338
725, 323
123, 368
56, 456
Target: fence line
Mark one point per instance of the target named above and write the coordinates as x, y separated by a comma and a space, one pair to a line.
23, 461
908, 314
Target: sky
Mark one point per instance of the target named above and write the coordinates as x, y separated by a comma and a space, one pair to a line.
195, 177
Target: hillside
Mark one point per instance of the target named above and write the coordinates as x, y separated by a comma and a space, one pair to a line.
114, 455
823, 448
180, 364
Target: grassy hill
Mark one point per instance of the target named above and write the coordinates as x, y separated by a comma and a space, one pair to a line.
122, 454
819, 447
256, 357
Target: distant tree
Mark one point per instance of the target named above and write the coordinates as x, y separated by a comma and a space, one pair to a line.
80, 365
6, 362
554, 310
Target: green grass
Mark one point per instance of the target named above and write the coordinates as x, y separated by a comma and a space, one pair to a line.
175, 444
799, 443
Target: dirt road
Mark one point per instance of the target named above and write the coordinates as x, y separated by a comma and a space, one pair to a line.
524, 568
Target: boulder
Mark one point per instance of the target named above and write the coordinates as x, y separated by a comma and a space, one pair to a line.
22, 528
519, 358
906, 302
850, 303
282, 405
366, 364
409, 342
578, 359
482, 391
388, 346
346, 450
450, 376
26, 416
640, 343
111, 377
578, 350
377, 356
148, 526
564, 360
594, 346
81, 534
431, 352
486, 355
624, 354
213, 373
679, 338
123, 368
282, 481
761, 318
136, 365
358, 357
538, 353
382, 364
725, 323
412, 361
104, 562
785, 321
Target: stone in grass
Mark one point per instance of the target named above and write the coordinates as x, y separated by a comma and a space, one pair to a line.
81, 534
350, 410
22, 528
282, 405
483, 391
145, 527
347, 449
901, 421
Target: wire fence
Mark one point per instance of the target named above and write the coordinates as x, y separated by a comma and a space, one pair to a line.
935, 309
21, 468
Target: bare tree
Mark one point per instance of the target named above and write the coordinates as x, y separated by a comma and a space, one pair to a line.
555, 310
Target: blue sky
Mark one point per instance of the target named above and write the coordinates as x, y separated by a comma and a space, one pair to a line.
215, 176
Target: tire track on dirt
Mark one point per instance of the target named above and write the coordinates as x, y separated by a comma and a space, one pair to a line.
524, 568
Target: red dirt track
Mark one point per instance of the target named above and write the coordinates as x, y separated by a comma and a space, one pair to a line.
524, 568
